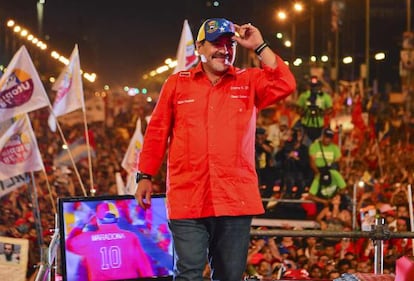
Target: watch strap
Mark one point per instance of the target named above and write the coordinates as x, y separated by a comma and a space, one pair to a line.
142, 176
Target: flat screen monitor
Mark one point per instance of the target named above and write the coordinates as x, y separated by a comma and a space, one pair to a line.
112, 238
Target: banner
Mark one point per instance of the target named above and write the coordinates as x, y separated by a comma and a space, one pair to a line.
19, 152
21, 90
11, 184
69, 90
95, 112
186, 57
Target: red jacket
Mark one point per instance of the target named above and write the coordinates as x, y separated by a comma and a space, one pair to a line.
209, 132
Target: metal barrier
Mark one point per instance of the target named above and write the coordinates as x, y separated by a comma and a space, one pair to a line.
303, 224
379, 232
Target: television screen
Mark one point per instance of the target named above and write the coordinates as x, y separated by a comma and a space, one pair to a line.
112, 238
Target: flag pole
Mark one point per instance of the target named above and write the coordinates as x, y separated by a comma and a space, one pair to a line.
92, 189
50, 193
379, 156
35, 208
68, 149
82, 98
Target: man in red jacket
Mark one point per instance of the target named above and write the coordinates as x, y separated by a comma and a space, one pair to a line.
206, 119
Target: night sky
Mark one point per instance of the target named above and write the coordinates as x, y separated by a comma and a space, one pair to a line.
122, 40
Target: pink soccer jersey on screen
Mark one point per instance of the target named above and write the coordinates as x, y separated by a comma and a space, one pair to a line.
111, 238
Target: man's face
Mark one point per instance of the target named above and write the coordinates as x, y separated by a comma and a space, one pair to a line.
326, 140
401, 225
217, 56
8, 251
402, 211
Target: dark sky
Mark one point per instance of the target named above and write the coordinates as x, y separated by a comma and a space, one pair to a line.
121, 40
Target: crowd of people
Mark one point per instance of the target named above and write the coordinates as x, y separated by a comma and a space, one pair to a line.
373, 159
385, 167
377, 152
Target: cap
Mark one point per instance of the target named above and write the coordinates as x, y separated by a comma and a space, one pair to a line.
107, 212
212, 29
327, 132
284, 250
387, 209
296, 274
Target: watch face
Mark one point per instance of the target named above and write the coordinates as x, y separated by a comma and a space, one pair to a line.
138, 177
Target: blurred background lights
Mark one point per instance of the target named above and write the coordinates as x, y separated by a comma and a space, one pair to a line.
379, 56
43, 46
347, 60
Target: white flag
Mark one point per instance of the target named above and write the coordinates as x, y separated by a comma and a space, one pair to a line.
11, 184
69, 90
120, 185
186, 57
21, 90
130, 161
79, 151
19, 152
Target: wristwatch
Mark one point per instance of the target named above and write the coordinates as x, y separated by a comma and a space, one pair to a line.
142, 176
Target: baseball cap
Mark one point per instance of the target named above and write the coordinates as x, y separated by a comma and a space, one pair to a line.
212, 29
107, 212
387, 209
327, 132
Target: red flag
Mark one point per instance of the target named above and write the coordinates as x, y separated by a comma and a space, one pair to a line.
356, 116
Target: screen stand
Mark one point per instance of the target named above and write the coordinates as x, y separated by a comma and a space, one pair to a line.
48, 257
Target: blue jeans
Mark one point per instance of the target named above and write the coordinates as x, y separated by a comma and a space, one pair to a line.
223, 240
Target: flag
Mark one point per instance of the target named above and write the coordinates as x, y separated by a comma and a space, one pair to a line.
120, 186
11, 184
19, 152
21, 90
130, 161
186, 57
357, 118
95, 112
69, 90
79, 151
